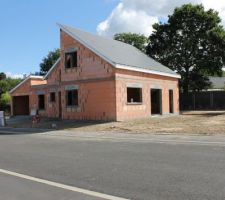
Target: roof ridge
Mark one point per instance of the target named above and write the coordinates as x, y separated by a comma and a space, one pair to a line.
96, 35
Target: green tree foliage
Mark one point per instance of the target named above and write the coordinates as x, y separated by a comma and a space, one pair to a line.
5, 98
2, 75
6, 84
137, 40
48, 61
192, 43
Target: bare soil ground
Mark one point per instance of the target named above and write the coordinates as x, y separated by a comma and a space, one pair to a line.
195, 122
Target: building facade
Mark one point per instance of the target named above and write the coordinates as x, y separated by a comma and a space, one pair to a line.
98, 79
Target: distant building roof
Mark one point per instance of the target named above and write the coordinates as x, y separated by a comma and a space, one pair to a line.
217, 82
119, 54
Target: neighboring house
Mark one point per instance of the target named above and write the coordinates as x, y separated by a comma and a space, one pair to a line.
97, 78
218, 83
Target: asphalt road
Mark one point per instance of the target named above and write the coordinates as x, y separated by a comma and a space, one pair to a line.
132, 169
13, 188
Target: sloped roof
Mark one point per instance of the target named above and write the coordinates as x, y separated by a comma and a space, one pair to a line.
119, 54
217, 82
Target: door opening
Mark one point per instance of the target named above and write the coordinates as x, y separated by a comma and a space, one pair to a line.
171, 101
156, 101
60, 104
21, 105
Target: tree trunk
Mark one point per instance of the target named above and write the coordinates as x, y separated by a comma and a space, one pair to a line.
186, 82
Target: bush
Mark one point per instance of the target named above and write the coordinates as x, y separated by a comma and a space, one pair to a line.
5, 102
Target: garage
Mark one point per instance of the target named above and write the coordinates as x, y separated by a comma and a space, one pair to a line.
21, 105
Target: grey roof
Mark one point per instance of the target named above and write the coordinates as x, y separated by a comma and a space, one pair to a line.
117, 52
217, 82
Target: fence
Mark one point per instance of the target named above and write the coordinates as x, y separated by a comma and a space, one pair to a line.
207, 100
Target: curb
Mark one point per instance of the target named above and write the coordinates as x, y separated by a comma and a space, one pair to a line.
22, 131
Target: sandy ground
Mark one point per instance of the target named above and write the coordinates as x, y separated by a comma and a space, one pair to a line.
195, 122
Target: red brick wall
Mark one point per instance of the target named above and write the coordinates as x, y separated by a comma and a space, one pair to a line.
102, 88
90, 65
54, 82
34, 100
26, 89
147, 81
54, 77
96, 102
93, 76
23, 89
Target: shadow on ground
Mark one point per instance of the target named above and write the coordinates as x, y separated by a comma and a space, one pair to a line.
23, 125
191, 122
204, 113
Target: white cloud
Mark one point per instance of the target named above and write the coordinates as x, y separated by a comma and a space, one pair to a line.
127, 20
139, 15
11, 75
218, 5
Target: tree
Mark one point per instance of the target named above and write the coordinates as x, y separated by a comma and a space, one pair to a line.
137, 40
3, 86
48, 61
192, 43
7, 84
2, 75
5, 98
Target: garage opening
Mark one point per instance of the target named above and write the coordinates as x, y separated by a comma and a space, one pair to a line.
171, 101
156, 101
21, 105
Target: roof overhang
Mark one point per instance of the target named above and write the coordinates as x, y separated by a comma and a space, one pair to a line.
52, 68
147, 71
25, 80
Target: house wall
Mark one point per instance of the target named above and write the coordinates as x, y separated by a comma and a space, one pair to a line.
126, 111
95, 79
52, 108
35, 91
54, 78
90, 65
26, 90
96, 102
102, 89
23, 89
54, 85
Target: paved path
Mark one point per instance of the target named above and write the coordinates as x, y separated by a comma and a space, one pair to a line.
139, 167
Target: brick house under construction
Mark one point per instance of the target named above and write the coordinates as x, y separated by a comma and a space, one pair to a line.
98, 78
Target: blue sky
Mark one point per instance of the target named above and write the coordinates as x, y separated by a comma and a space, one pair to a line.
29, 30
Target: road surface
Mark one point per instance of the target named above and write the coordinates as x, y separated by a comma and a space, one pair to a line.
47, 166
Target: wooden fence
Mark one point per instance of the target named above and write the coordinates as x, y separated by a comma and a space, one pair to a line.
205, 100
